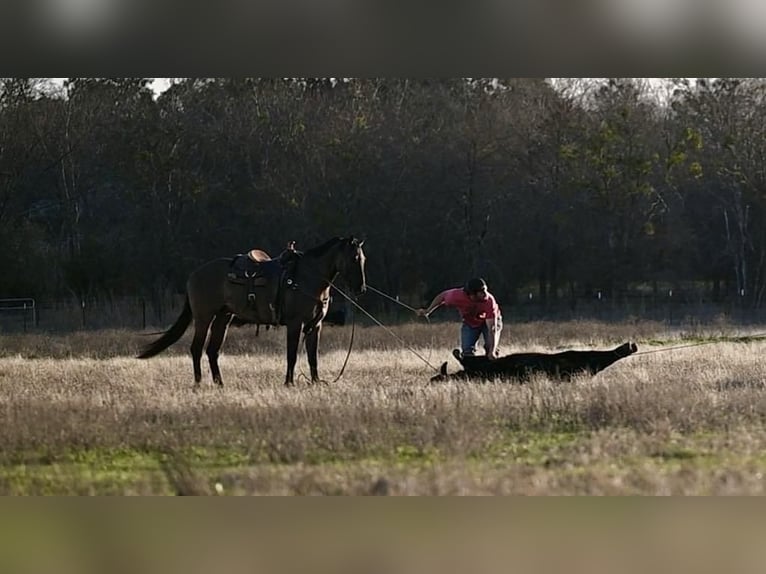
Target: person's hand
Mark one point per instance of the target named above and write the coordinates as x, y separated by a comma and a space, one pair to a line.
422, 312
493, 354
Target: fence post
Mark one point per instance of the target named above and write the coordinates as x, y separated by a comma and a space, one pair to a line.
531, 313
742, 306
670, 305
600, 307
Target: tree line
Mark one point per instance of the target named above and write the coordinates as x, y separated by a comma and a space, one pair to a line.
558, 188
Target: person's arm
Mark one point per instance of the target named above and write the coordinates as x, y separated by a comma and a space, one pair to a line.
435, 304
493, 343
494, 325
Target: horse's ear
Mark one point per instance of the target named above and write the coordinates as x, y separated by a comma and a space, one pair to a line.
361, 242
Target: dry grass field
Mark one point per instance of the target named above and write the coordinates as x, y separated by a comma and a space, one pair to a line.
79, 415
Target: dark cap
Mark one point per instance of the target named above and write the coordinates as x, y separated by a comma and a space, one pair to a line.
475, 285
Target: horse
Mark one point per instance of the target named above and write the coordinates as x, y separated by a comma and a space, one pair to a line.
213, 300
521, 366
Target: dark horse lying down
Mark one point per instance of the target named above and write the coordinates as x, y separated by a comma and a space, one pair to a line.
523, 365
213, 300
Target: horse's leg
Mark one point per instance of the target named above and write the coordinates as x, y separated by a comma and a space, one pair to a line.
217, 337
293, 338
201, 327
312, 348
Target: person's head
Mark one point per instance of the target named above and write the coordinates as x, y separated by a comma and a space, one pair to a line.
476, 289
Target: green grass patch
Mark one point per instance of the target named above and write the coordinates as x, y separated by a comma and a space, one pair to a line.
580, 461
528, 448
105, 471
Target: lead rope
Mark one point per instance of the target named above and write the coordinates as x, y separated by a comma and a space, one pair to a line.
402, 304
395, 300
379, 324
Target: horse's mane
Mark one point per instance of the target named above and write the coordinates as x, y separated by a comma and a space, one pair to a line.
320, 250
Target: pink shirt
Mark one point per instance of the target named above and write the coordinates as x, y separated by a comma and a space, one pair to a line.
474, 313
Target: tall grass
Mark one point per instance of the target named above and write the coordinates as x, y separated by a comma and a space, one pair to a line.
663, 422
538, 335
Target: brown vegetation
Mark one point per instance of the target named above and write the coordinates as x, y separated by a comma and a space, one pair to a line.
81, 416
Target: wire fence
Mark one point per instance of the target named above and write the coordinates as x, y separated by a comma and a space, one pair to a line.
87, 314
136, 313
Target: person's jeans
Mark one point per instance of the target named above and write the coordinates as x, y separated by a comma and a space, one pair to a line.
470, 335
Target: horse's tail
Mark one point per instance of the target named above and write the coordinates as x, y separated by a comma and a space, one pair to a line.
171, 335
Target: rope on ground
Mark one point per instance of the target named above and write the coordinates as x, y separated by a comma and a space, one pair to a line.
741, 339
345, 362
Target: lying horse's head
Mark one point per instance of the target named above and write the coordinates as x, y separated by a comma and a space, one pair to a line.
445, 376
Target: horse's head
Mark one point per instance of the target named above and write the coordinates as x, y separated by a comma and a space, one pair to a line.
351, 262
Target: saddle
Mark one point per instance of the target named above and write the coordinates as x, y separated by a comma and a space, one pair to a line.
258, 255
265, 279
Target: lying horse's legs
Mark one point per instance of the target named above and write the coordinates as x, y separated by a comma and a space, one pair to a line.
312, 346
217, 337
200, 334
293, 338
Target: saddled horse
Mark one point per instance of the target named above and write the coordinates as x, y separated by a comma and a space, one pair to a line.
213, 300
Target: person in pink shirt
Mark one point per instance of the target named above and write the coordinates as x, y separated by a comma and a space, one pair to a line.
479, 311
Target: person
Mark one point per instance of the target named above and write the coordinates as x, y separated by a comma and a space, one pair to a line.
480, 313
